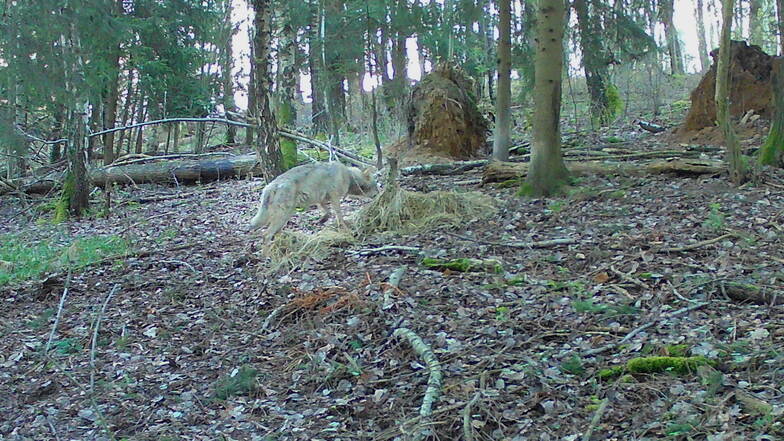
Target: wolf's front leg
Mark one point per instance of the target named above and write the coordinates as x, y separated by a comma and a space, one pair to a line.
324, 206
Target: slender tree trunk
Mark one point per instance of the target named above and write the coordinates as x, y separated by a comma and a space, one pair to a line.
671, 33
734, 161
286, 110
504, 102
111, 96
126, 113
94, 124
249, 132
702, 44
772, 152
594, 60
318, 112
780, 24
227, 65
140, 133
267, 145
57, 131
547, 172
176, 138
755, 23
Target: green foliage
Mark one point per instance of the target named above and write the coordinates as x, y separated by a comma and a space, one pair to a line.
715, 220
656, 365
242, 382
32, 258
67, 346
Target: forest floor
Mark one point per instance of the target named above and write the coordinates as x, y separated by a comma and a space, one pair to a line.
182, 352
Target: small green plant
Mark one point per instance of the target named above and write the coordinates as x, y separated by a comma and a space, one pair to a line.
715, 220
556, 206
67, 346
41, 320
241, 382
573, 366
502, 313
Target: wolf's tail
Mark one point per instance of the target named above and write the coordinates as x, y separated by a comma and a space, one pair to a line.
262, 215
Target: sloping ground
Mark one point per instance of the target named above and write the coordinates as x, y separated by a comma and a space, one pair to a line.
516, 347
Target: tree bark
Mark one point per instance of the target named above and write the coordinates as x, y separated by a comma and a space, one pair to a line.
780, 24
735, 163
267, 144
772, 152
227, 77
755, 23
318, 113
287, 88
547, 170
504, 96
594, 60
702, 44
666, 11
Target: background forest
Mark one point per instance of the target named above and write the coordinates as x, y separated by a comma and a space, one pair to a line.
578, 237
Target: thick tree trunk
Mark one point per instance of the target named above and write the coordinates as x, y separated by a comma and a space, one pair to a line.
734, 161
702, 44
504, 101
772, 152
267, 144
547, 171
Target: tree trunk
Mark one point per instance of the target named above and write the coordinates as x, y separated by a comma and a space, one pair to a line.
755, 23
111, 95
780, 24
772, 152
249, 132
594, 60
702, 44
734, 161
126, 113
547, 170
227, 64
287, 88
319, 115
671, 33
504, 101
267, 145
94, 124
140, 133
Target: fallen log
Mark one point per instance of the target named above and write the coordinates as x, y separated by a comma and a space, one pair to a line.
496, 171
184, 171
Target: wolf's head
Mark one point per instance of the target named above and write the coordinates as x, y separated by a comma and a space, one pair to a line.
363, 182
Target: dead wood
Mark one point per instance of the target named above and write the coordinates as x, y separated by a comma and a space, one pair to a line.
744, 292
505, 171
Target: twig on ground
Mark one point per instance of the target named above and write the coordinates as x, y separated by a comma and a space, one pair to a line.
700, 244
96, 326
468, 429
535, 244
368, 251
596, 418
637, 330
59, 313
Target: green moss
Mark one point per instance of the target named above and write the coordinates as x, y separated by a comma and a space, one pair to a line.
614, 101
288, 149
509, 183
772, 151
654, 365
63, 207
677, 350
464, 264
242, 383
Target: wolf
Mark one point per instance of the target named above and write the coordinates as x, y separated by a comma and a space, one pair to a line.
321, 183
